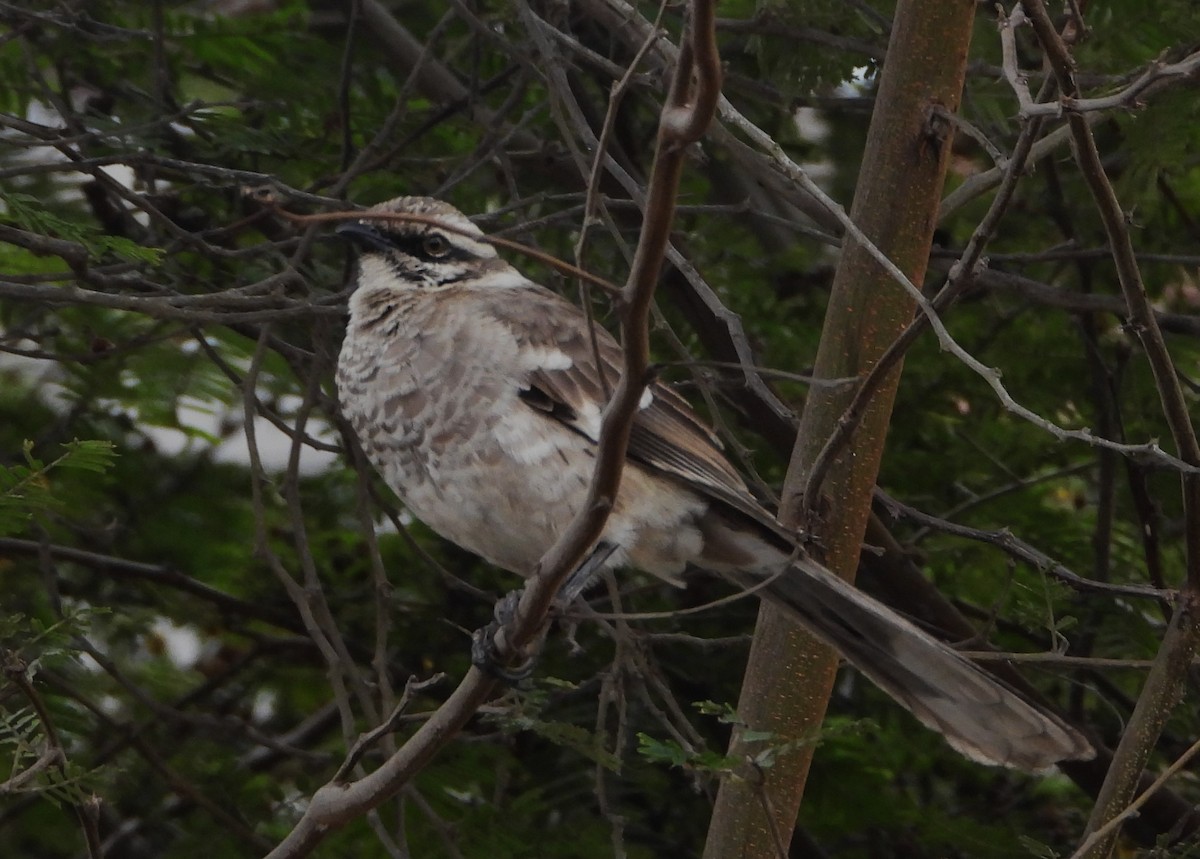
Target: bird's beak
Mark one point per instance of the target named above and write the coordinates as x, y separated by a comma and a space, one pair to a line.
363, 236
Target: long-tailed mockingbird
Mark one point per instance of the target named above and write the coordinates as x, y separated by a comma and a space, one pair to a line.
477, 395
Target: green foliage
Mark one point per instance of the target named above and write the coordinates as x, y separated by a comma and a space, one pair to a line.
178, 604
28, 490
760, 749
527, 717
29, 213
38, 764
826, 27
23, 743
671, 753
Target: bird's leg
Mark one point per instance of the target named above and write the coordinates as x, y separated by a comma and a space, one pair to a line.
579, 580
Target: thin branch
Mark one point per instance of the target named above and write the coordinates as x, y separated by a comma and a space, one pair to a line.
160, 574
16, 672
262, 546
51, 758
1127, 98
1060, 660
1073, 301
1109, 829
364, 742
1018, 548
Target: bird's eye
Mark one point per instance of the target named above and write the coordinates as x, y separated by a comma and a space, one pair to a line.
436, 246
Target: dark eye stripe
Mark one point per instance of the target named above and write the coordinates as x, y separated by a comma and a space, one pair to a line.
414, 246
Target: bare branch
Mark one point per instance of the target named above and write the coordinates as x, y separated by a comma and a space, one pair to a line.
1018, 548
1128, 98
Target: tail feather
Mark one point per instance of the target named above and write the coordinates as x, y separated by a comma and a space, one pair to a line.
978, 715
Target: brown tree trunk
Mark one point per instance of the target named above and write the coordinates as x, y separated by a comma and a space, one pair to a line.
790, 676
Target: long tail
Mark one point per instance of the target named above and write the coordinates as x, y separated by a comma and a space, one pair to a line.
979, 716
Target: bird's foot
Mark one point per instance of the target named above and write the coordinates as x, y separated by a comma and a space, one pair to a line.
491, 659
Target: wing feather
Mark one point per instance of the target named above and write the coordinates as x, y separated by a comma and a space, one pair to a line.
666, 436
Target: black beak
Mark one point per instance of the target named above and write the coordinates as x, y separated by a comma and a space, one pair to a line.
363, 236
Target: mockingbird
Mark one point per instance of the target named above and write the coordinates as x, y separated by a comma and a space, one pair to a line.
477, 395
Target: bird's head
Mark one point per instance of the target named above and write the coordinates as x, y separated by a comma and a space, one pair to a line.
439, 247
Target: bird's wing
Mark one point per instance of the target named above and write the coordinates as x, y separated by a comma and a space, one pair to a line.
571, 378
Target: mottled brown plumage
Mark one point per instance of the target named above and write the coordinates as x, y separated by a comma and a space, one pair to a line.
477, 394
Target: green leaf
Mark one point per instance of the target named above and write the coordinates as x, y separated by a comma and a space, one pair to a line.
27, 490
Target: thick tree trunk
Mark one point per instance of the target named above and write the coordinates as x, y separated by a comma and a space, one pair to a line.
789, 676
